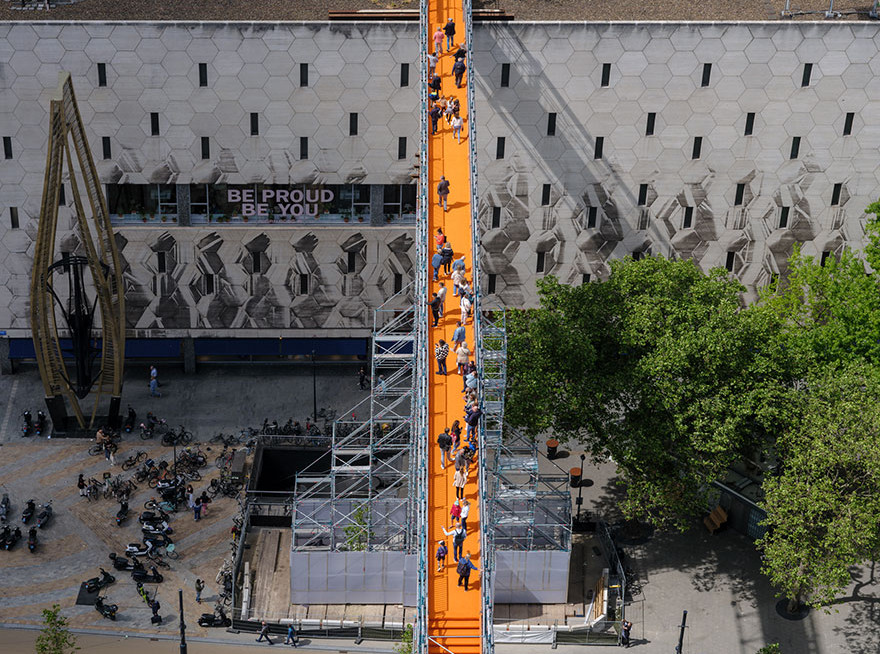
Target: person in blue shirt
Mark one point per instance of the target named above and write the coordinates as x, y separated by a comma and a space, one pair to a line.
464, 569
458, 336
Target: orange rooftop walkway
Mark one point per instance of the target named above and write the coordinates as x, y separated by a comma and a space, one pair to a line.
453, 615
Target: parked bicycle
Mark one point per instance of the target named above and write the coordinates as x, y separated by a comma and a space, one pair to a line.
134, 459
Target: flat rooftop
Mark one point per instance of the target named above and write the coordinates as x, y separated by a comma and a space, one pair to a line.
523, 10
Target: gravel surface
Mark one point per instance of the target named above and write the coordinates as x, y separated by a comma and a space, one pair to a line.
526, 10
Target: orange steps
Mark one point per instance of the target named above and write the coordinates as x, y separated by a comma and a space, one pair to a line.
454, 621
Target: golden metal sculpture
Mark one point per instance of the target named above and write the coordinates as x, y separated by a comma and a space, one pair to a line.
102, 261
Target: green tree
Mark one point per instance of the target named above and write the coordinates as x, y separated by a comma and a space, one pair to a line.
823, 506
772, 648
659, 368
358, 533
406, 639
55, 638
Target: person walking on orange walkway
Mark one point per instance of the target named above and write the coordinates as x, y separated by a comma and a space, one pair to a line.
443, 193
449, 29
459, 480
458, 535
464, 570
438, 41
441, 351
457, 124
442, 551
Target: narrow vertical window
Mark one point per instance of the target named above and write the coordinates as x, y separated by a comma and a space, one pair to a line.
606, 74
7, 147
825, 256
492, 282
688, 221
808, 73
698, 147
255, 124
600, 146
154, 124
750, 124
303, 147
352, 260
13, 217
206, 147
209, 284
795, 147
539, 266
848, 123
398, 282
545, 195
585, 278
62, 196
496, 217
592, 217
352, 124
105, 146
643, 194
835, 194
304, 284
401, 147
303, 74
203, 74
102, 74
728, 263
649, 124
740, 192
404, 75
499, 148
551, 124
161, 262
783, 217
505, 75
707, 75
256, 263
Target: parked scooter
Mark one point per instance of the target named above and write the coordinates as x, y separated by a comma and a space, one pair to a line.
106, 610
156, 529
4, 534
130, 420
27, 424
40, 425
32, 540
4, 508
97, 583
45, 515
143, 577
153, 517
122, 513
216, 619
13, 537
124, 564
28, 512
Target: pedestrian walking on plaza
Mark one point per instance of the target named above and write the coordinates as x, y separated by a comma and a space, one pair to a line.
458, 69
446, 255
432, 64
438, 42
154, 382
457, 124
154, 607
459, 480
197, 509
205, 502
625, 630
442, 551
449, 30
465, 305
462, 358
441, 351
441, 293
264, 633
435, 308
443, 193
190, 496
440, 239
444, 442
362, 378
458, 335
465, 511
81, 484
458, 535
455, 430
455, 511
464, 570
435, 114
199, 586
291, 635
436, 262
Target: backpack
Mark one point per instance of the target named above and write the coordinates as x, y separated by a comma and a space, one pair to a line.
463, 566
442, 551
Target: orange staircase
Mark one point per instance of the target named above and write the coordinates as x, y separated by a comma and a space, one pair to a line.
454, 619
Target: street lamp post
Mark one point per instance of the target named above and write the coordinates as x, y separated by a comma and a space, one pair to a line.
580, 499
314, 391
182, 623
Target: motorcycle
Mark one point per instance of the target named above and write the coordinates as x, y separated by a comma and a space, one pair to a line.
97, 583
216, 619
32, 539
106, 610
123, 564
40, 425
45, 515
156, 529
149, 544
27, 424
130, 419
121, 514
12, 539
143, 577
158, 515
4, 507
28, 512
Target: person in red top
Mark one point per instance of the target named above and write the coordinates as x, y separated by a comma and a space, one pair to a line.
440, 239
455, 511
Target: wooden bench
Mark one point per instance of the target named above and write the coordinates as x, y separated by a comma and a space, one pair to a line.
716, 518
